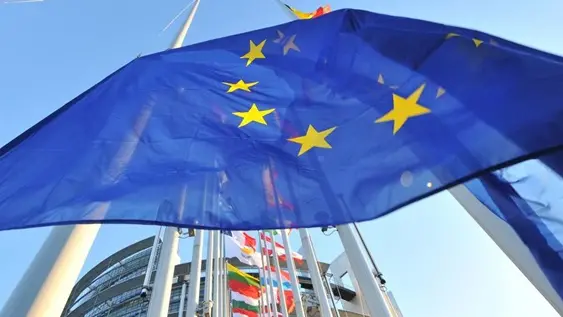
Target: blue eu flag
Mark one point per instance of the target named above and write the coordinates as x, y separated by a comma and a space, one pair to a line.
342, 118
528, 197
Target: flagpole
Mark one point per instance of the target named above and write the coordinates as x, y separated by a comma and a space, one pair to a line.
269, 274
150, 266
315, 273
279, 276
216, 281
226, 298
262, 275
378, 273
183, 300
162, 287
329, 288
195, 275
363, 274
295, 285
48, 281
208, 274
227, 309
179, 41
221, 301
160, 297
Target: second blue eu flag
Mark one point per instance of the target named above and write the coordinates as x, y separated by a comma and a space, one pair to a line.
312, 123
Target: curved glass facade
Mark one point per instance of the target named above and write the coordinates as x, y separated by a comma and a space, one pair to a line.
114, 290
107, 293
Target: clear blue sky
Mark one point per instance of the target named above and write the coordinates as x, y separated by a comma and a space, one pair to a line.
437, 261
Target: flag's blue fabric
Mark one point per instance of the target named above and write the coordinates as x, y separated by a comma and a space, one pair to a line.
529, 197
312, 123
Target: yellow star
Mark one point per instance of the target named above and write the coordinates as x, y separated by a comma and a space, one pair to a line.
477, 42
312, 139
404, 108
253, 115
239, 85
255, 52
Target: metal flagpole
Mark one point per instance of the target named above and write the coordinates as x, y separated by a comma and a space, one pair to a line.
295, 285
208, 274
150, 266
279, 276
268, 270
224, 283
378, 273
509, 242
221, 295
329, 288
160, 297
313, 266
49, 279
263, 290
227, 308
216, 281
182, 301
262, 275
363, 274
179, 41
162, 287
195, 275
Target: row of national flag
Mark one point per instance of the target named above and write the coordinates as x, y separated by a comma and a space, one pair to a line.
247, 290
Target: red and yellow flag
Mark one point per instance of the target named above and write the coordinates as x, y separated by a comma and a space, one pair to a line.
309, 15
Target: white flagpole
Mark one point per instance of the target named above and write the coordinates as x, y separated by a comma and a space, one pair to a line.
195, 275
208, 273
184, 31
182, 300
262, 276
268, 270
363, 274
295, 285
278, 275
509, 242
313, 266
150, 266
160, 296
48, 281
221, 300
226, 297
216, 281
331, 295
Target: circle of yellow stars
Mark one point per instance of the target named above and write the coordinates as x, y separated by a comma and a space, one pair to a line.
404, 108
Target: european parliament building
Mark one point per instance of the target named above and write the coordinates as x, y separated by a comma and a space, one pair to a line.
113, 287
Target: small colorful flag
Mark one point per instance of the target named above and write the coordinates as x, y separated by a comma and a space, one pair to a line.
245, 292
308, 15
280, 250
244, 252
